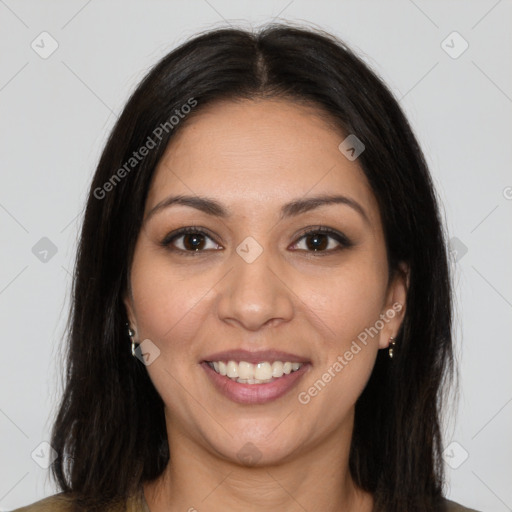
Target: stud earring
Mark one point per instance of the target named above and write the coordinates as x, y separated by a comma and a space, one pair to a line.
392, 344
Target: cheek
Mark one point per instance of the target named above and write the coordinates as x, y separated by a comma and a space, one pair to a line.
347, 305
166, 300
345, 352
349, 301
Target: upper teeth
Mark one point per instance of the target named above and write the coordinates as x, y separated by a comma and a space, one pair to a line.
244, 371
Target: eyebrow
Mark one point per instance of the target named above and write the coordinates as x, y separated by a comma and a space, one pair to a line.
291, 209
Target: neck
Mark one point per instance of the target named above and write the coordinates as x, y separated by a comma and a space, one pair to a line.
316, 478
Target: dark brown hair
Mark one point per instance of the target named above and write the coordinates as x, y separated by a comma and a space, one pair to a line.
110, 430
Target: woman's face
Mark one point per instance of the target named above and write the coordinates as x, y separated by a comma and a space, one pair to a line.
248, 277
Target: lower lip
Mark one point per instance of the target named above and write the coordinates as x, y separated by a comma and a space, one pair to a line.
254, 393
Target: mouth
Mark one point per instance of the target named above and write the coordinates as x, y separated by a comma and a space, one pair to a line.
254, 377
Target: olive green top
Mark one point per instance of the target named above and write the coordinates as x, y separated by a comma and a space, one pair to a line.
137, 503
63, 502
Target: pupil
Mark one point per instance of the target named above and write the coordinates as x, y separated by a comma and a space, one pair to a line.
196, 242
318, 242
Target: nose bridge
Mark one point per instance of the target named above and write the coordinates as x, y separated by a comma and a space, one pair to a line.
253, 293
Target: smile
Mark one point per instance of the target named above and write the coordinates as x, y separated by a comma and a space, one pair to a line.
244, 372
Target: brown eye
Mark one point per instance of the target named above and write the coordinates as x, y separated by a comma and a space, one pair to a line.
189, 240
322, 240
193, 242
317, 242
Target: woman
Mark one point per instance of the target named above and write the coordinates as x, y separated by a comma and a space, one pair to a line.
262, 305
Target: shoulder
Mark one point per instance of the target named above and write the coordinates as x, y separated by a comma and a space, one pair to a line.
64, 502
57, 503
451, 506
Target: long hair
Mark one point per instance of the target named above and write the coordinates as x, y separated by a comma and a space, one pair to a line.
110, 429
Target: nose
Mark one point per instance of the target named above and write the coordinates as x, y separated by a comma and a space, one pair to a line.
255, 294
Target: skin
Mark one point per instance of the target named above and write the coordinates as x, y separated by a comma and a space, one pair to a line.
253, 157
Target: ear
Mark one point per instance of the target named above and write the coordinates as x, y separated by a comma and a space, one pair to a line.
130, 310
394, 309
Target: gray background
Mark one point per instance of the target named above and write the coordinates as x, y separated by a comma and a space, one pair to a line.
57, 111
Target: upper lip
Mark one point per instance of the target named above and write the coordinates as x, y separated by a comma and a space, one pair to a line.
256, 356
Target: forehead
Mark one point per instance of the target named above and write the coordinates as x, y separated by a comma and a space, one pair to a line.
258, 154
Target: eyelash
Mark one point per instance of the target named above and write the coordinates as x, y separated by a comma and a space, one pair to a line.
344, 242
